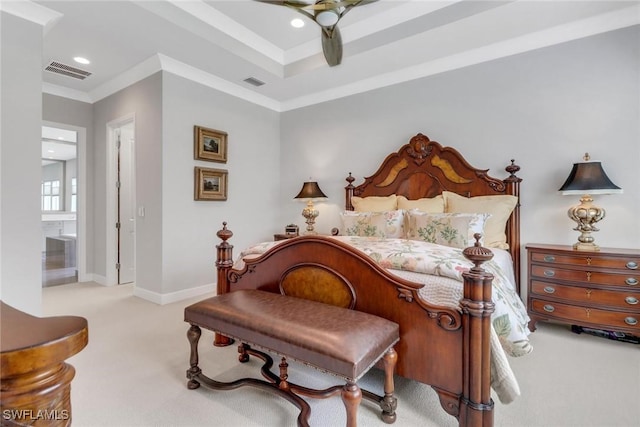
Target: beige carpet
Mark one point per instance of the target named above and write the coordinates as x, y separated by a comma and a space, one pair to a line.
132, 373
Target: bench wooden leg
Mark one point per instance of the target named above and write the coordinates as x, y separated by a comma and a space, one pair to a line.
193, 335
351, 397
389, 403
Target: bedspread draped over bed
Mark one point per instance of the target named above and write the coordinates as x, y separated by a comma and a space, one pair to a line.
439, 268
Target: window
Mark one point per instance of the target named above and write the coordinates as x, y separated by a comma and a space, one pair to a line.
74, 195
51, 195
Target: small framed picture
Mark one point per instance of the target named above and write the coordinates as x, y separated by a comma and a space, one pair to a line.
210, 184
210, 144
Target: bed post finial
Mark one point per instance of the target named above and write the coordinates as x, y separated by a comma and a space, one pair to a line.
476, 405
224, 262
477, 254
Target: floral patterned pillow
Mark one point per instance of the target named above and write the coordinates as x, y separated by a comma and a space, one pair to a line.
388, 224
448, 229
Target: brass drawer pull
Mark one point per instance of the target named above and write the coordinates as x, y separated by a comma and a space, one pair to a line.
550, 309
632, 265
631, 321
631, 300
631, 281
549, 289
551, 258
549, 273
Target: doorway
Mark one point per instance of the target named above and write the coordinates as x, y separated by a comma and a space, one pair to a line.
121, 237
63, 204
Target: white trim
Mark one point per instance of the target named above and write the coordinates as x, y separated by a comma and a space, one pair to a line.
66, 92
135, 74
110, 194
194, 74
81, 213
610, 21
215, 19
171, 297
32, 12
100, 280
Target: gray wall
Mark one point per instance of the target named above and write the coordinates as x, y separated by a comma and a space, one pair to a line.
144, 99
20, 165
544, 108
252, 206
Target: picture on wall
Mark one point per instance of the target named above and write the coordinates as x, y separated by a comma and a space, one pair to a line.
210, 144
210, 184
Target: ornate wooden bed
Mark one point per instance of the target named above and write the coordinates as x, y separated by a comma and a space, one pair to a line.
445, 348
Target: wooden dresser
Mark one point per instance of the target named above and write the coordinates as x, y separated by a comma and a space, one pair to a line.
593, 289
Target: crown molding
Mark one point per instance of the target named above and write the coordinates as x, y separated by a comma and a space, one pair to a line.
32, 12
610, 21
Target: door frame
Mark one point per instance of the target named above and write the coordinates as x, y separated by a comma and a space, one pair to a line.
111, 204
81, 212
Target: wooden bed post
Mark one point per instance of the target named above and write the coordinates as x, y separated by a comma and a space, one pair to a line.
513, 225
224, 262
349, 192
476, 405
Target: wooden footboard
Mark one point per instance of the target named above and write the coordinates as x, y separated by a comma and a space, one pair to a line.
445, 348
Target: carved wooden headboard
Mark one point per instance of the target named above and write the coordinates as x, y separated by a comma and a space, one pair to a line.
424, 168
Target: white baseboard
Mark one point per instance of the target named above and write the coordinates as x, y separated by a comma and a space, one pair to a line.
101, 280
162, 299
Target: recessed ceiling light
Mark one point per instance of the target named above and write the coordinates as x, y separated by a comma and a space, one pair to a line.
297, 23
50, 151
81, 60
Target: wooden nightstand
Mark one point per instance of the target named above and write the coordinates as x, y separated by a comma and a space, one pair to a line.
282, 236
593, 289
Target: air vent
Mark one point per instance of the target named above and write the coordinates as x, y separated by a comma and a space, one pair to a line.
67, 70
253, 81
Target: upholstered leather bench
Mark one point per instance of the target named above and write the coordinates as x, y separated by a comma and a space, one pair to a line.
343, 342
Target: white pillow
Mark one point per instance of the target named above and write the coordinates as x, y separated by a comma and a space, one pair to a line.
499, 206
432, 205
449, 229
374, 203
389, 224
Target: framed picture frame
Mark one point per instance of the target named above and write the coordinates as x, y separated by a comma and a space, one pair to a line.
210, 144
210, 184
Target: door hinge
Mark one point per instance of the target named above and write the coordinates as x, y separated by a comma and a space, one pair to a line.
117, 225
118, 184
117, 266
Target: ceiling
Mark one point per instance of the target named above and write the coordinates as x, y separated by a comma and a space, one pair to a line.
222, 43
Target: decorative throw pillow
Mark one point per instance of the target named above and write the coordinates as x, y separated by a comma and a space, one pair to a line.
499, 206
389, 224
431, 205
374, 203
448, 229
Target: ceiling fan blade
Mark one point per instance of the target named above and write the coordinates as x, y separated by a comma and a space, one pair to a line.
332, 46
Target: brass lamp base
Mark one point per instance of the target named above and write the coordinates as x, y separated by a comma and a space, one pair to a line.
310, 215
586, 215
586, 247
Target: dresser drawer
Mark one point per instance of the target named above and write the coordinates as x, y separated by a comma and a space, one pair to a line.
589, 296
628, 263
585, 315
629, 280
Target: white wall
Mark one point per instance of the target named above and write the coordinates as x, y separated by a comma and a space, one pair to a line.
544, 108
20, 165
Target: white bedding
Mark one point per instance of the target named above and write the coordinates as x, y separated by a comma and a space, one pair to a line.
440, 269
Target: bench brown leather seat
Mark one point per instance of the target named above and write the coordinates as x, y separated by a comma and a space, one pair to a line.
344, 342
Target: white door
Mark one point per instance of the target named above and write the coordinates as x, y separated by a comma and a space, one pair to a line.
125, 190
